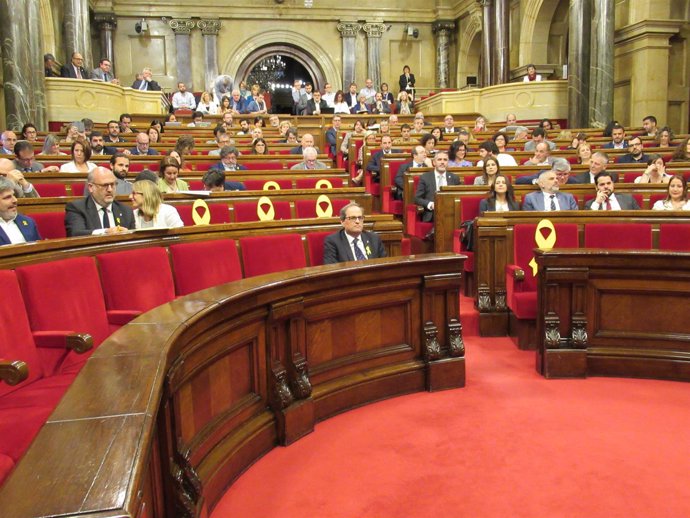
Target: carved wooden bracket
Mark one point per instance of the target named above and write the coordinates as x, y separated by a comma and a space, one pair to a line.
483, 299
280, 391
578, 339
552, 333
432, 347
299, 381
187, 486
500, 295
456, 345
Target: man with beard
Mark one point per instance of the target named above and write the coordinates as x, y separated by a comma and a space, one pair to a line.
119, 163
98, 147
113, 136
606, 199
14, 228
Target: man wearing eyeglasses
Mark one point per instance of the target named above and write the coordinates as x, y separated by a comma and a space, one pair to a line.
99, 213
75, 69
352, 243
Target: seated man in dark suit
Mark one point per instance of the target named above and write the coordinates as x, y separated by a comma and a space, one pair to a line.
142, 147
214, 181
98, 146
14, 228
228, 160
636, 154
617, 138
332, 133
315, 105
418, 160
374, 165
98, 213
597, 164
431, 182
606, 199
352, 243
75, 69
146, 83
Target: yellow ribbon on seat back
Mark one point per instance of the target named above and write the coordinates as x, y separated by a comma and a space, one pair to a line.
324, 212
323, 184
268, 214
271, 185
201, 214
545, 243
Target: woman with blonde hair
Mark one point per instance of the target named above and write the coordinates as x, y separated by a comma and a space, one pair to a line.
149, 209
207, 105
168, 173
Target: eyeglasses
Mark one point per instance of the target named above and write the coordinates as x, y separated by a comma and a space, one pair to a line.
355, 218
105, 186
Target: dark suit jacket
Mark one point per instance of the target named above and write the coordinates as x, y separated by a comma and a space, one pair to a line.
135, 151
27, 227
336, 248
360, 108
629, 159
311, 106
332, 139
400, 178
107, 150
67, 70
349, 100
81, 216
403, 82
584, 177
374, 164
489, 205
609, 145
220, 167
426, 190
153, 86
626, 202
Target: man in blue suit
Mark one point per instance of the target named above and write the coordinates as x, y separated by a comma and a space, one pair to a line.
617, 138
14, 228
549, 198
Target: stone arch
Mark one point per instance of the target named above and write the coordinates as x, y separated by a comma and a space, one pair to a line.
295, 45
469, 48
535, 29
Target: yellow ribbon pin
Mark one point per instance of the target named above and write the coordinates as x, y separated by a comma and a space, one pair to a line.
545, 243
201, 215
321, 211
265, 215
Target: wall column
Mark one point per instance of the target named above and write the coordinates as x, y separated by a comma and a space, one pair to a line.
442, 29
348, 32
77, 31
578, 63
487, 25
210, 29
183, 30
501, 43
374, 32
22, 64
106, 23
601, 100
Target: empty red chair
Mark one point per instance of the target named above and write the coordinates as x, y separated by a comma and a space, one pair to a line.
135, 281
203, 264
63, 298
310, 183
469, 209
315, 244
521, 293
219, 213
51, 225
269, 254
390, 204
196, 185
264, 166
626, 236
51, 190
78, 189
674, 237
267, 185
248, 211
316, 208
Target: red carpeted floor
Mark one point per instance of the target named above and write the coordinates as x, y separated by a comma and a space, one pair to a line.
509, 444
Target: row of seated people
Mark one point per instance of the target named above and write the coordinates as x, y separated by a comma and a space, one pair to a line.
49, 327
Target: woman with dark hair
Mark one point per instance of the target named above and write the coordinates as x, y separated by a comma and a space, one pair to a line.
155, 123
225, 105
259, 147
456, 155
170, 117
531, 74
501, 142
184, 145
168, 173
153, 134
437, 133
81, 152
501, 197
386, 94
149, 209
339, 104
259, 122
29, 132
682, 152
664, 137
677, 195
545, 124
655, 172
490, 168
428, 142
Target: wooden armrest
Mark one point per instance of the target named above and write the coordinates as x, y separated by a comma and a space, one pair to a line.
120, 317
13, 372
77, 342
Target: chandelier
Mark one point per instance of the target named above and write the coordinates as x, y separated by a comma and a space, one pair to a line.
268, 73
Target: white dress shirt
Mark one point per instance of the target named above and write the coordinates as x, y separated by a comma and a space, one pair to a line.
12, 230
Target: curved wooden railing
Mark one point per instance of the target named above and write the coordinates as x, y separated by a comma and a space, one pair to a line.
175, 405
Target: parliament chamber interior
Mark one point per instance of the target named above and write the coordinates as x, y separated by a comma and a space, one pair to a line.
221, 234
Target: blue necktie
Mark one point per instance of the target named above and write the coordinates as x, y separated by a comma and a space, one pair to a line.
553, 203
358, 253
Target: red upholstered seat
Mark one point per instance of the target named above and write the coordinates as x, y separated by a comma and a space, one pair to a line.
51, 225
6, 466
203, 264
264, 166
78, 189
196, 185
219, 213
627, 236
315, 243
261, 185
63, 297
654, 198
674, 237
307, 208
310, 183
19, 426
135, 281
389, 205
522, 295
51, 190
268, 254
247, 211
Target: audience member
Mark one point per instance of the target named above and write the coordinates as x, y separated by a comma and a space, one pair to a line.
182, 99
81, 153
405, 104
405, 136
360, 106
376, 161
168, 172
306, 141
418, 160
97, 145
386, 95
456, 155
146, 82
98, 213
655, 172
154, 135
29, 132
607, 199
51, 146
352, 243
75, 69
142, 147
113, 136
501, 197
24, 159
149, 209
339, 103
584, 153
8, 140
649, 124
549, 198
222, 139
682, 151
332, 134
50, 66
617, 138
228, 160
531, 74
103, 72
432, 181
541, 157
490, 168
407, 81
184, 145
380, 106
214, 181
22, 187
259, 147
635, 153
538, 135
560, 166
597, 164
310, 162
677, 197
369, 92
222, 86
15, 228
664, 137
126, 123
119, 163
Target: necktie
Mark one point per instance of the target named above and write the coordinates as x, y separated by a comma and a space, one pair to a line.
106, 220
142, 86
608, 204
106, 78
78, 73
441, 181
553, 202
358, 253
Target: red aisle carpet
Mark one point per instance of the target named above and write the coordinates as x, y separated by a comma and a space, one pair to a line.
510, 444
